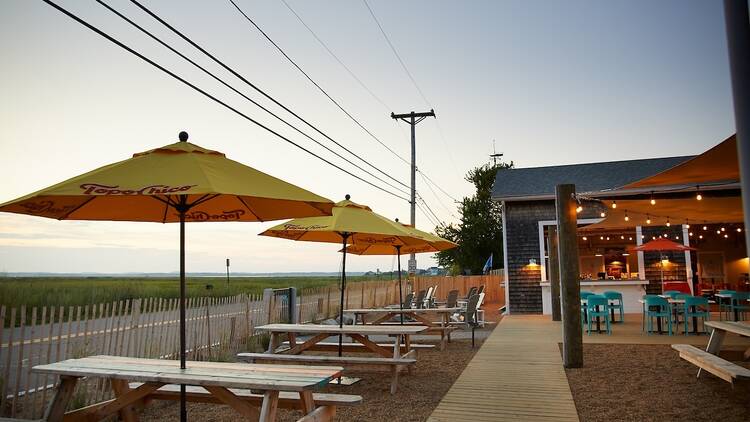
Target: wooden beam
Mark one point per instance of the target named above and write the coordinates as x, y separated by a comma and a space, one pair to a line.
570, 285
269, 406
64, 392
321, 414
236, 403
554, 273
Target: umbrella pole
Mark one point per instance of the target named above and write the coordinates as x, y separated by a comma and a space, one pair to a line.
344, 237
400, 293
183, 403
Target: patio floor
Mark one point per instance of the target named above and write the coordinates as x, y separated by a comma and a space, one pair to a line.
518, 372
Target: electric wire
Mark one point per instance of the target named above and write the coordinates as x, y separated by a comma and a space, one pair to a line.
309, 78
438, 186
419, 197
216, 78
206, 94
437, 197
255, 87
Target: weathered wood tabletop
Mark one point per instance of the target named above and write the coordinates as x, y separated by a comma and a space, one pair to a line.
358, 333
215, 377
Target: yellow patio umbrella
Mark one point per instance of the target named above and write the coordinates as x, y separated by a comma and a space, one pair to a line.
431, 243
350, 223
181, 182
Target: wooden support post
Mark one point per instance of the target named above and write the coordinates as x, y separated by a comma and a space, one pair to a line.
570, 284
554, 273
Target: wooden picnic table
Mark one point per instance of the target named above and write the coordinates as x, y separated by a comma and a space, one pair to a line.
358, 333
215, 377
384, 315
720, 330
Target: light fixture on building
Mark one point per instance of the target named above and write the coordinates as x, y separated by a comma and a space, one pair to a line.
597, 254
625, 254
532, 262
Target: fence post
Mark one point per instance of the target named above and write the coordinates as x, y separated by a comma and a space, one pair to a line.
267, 296
293, 314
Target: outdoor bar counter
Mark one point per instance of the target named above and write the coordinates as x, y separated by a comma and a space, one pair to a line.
631, 290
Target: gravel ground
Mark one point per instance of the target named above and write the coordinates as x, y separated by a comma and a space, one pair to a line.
417, 396
651, 383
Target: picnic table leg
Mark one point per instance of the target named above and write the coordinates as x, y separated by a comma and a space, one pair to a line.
60, 401
308, 403
272, 342
396, 368
121, 388
269, 406
714, 344
446, 324
407, 349
227, 397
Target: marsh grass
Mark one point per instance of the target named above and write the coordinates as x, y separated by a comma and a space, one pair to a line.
67, 292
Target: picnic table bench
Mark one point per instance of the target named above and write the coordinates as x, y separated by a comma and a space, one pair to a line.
137, 381
328, 346
397, 356
709, 359
385, 316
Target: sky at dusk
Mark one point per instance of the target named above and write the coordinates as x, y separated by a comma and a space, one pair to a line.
553, 82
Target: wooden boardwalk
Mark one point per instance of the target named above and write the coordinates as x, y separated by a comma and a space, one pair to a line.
517, 375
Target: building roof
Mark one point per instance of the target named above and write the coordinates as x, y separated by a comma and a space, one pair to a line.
538, 183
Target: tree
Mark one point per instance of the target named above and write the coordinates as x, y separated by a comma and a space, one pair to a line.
479, 232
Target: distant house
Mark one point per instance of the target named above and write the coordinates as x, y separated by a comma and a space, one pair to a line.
527, 196
435, 271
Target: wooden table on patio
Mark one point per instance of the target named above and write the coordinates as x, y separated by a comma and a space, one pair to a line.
720, 330
358, 333
709, 359
385, 315
212, 382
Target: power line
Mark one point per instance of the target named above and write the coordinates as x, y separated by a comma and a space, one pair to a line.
437, 197
428, 208
310, 78
437, 186
348, 70
206, 94
403, 65
256, 88
152, 36
427, 215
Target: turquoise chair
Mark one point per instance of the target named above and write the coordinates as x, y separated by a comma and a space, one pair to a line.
592, 303
724, 304
662, 310
643, 311
700, 310
739, 304
673, 293
585, 294
615, 302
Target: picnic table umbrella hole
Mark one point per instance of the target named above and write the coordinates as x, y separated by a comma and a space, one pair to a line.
351, 224
181, 182
430, 243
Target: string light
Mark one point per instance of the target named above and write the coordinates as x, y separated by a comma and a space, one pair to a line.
584, 238
630, 238
601, 237
607, 237
705, 228
648, 219
723, 229
603, 214
622, 237
739, 230
626, 217
698, 195
726, 236
718, 231
579, 209
653, 201
690, 234
614, 204
700, 236
687, 224
668, 223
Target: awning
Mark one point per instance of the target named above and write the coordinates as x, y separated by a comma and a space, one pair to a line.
676, 211
717, 165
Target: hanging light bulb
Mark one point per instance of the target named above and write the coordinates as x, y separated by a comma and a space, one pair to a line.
648, 219
630, 237
690, 234
622, 237
698, 195
668, 223
705, 227
653, 201
601, 237
739, 230
584, 238
700, 236
718, 231
687, 224
726, 236
626, 217
607, 237
677, 237
579, 209
602, 214
614, 204
723, 229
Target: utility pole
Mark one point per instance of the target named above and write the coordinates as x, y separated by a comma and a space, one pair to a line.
412, 119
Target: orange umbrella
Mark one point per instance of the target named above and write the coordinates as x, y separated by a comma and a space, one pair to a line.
659, 245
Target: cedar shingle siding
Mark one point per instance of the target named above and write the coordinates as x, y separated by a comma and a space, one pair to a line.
522, 235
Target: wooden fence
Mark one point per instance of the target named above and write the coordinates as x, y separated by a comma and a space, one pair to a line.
216, 329
494, 287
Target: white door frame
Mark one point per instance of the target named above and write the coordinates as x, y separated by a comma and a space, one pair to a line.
542, 224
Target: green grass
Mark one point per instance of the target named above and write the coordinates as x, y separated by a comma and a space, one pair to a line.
53, 291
